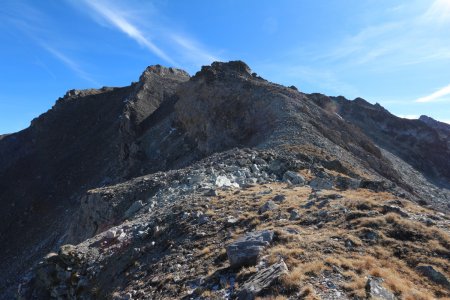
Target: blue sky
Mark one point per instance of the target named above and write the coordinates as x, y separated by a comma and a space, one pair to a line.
396, 53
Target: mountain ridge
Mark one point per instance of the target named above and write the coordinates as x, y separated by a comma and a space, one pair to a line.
76, 162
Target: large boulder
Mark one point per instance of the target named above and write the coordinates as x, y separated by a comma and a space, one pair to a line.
261, 281
321, 183
346, 183
246, 250
294, 178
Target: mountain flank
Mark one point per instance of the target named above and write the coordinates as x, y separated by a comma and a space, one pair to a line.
223, 185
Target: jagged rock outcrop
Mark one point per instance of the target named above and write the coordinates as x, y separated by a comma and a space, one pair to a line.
83, 142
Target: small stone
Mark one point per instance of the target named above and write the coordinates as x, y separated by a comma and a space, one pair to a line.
128, 296
243, 162
212, 193
308, 205
232, 220
203, 219
135, 207
394, 209
275, 166
142, 233
294, 215
269, 205
369, 235
122, 236
279, 198
292, 230
322, 214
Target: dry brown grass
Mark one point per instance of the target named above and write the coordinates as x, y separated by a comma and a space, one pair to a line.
272, 298
391, 257
204, 251
308, 293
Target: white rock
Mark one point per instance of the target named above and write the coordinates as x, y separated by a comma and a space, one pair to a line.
223, 181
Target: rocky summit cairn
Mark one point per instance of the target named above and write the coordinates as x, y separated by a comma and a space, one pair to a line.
223, 185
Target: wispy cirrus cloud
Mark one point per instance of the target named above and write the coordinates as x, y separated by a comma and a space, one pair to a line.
439, 12
179, 49
192, 49
443, 94
34, 24
116, 16
69, 62
415, 36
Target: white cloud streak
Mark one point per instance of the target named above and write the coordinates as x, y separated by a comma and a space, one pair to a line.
439, 12
70, 63
114, 16
129, 21
193, 50
35, 25
436, 96
414, 38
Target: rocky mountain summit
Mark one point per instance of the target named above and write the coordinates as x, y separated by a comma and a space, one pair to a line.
223, 185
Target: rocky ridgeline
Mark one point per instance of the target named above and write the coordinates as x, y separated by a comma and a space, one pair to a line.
220, 186
104, 207
152, 216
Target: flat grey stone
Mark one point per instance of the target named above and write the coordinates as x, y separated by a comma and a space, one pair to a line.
246, 250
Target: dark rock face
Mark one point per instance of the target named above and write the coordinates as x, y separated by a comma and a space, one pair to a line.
55, 175
88, 139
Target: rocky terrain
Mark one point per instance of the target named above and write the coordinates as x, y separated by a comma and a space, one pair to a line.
221, 186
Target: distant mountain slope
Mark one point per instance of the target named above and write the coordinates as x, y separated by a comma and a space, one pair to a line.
418, 143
